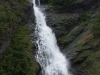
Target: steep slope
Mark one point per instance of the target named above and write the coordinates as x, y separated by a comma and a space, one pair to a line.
77, 27
78, 33
16, 50
87, 48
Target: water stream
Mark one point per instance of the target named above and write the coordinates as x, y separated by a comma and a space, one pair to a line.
51, 60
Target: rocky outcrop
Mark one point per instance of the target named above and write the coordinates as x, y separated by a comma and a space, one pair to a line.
65, 22
81, 6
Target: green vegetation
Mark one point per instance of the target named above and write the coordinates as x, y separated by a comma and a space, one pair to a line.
89, 48
16, 60
10, 16
88, 56
94, 67
92, 62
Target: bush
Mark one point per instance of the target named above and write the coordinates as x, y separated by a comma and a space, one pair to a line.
16, 60
10, 16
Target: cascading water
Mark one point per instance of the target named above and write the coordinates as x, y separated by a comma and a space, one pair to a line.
52, 61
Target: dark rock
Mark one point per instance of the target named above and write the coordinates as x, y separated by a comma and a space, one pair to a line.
44, 1
69, 27
77, 62
61, 27
80, 6
75, 31
29, 13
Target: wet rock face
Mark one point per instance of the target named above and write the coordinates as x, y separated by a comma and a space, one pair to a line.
65, 29
61, 22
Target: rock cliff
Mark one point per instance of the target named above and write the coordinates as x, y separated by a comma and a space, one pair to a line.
75, 26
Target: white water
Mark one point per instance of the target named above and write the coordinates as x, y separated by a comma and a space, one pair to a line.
52, 61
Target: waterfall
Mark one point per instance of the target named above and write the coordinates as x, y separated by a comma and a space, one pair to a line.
51, 60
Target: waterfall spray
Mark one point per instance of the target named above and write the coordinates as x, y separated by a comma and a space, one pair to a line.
51, 60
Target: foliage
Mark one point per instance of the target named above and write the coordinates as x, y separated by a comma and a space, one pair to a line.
89, 53
11, 13
16, 60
